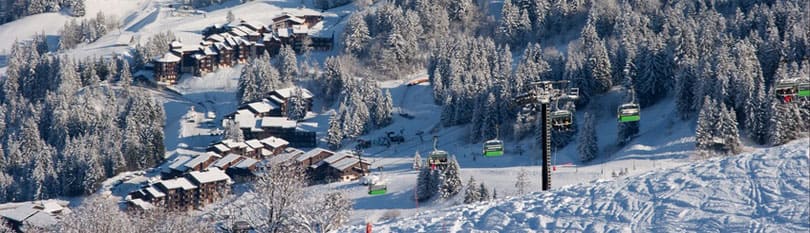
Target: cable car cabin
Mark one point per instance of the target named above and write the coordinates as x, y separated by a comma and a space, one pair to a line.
629, 113
493, 148
804, 88
573, 93
377, 189
437, 159
786, 88
561, 118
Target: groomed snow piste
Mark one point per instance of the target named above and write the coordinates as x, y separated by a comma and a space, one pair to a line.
764, 191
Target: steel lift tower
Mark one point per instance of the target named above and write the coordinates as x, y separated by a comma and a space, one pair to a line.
538, 101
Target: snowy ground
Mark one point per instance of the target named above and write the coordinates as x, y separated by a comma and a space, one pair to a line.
764, 191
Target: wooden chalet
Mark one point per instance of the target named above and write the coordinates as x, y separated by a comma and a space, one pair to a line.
339, 167
312, 157
282, 97
212, 184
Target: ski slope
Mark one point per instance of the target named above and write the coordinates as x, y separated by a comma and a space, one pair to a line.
767, 190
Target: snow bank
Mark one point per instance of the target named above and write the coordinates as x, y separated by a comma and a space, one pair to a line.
764, 191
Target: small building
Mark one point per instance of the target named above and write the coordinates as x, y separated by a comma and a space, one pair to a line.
283, 96
313, 156
226, 162
167, 68
275, 145
339, 167
42, 214
254, 149
179, 193
212, 184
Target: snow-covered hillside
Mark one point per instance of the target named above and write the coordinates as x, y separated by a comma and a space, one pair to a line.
764, 191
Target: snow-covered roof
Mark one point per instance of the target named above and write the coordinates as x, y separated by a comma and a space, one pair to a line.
300, 29
287, 16
226, 160
254, 143
263, 106
292, 154
176, 44
154, 192
200, 159
245, 118
177, 183
335, 157
276, 122
221, 148
253, 25
41, 219
209, 50
18, 214
275, 99
248, 31
313, 153
301, 11
216, 38
177, 163
244, 164
168, 57
287, 92
209, 176
265, 152
141, 204
237, 32
346, 163
274, 142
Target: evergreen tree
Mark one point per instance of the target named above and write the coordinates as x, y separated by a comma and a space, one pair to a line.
426, 184
296, 105
509, 23
383, 110
233, 132
484, 192
785, 122
472, 194
522, 182
356, 35
451, 180
125, 79
78, 9
334, 135
685, 91
417, 161
287, 65
758, 110
230, 17
490, 118
588, 146
598, 62
494, 194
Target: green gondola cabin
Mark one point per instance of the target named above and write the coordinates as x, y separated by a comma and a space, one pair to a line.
804, 89
629, 113
493, 148
377, 189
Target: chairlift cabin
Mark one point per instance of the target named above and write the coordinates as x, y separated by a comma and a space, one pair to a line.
573, 93
377, 189
493, 148
437, 159
561, 118
629, 113
786, 88
804, 88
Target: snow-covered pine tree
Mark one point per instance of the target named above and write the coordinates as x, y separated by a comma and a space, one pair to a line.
451, 180
425, 186
125, 79
287, 65
705, 132
509, 23
494, 194
230, 17
334, 135
758, 110
296, 105
383, 110
785, 122
233, 132
598, 64
472, 192
484, 192
356, 35
78, 8
491, 118
522, 181
417, 161
728, 130
587, 142
686, 82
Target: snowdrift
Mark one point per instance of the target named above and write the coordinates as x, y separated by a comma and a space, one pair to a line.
764, 191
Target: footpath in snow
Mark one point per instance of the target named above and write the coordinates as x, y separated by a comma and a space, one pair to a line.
767, 190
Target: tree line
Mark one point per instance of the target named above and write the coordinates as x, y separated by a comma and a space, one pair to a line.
16, 9
65, 126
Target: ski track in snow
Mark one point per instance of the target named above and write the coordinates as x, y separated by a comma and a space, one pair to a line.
764, 191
